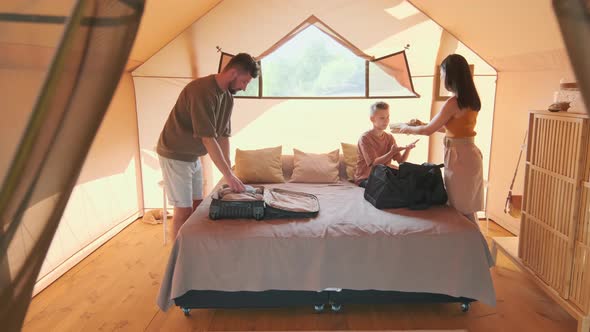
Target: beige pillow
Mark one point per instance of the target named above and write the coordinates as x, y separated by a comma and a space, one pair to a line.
315, 168
259, 166
350, 153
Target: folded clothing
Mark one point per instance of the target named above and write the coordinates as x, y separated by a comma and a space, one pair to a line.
232, 196
249, 194
293, 201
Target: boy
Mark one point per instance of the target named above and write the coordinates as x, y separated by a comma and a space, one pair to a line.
377, 147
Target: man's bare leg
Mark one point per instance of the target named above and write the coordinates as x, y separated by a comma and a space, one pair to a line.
196, 203
181, 214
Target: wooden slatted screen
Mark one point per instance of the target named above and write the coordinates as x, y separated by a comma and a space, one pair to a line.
548, 221
550, 207
580, 284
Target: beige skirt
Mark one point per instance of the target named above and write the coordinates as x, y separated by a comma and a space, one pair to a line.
464, 175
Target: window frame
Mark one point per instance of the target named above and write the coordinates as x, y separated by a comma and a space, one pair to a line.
367, 80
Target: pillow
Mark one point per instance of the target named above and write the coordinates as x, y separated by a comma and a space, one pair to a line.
350, 153
259, 166
315, 168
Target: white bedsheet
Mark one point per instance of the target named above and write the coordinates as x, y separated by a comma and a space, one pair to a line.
350, 245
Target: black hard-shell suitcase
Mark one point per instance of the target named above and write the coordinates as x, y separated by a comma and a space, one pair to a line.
220, 209
261, 209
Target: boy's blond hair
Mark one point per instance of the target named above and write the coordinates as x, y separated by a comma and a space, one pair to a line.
380, 105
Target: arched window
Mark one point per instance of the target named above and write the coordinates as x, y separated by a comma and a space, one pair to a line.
313, 61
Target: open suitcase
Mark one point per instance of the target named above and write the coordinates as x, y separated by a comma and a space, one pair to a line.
264, 203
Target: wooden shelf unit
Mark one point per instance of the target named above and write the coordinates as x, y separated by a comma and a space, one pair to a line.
554, 241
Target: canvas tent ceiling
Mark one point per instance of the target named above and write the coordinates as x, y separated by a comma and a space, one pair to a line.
164, 20
371, 33
510, 35
504, 33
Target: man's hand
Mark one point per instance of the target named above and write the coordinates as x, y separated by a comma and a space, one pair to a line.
217, 155
234, 183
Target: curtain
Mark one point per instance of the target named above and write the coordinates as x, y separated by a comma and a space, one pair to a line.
396, 66
574, 21
83, 75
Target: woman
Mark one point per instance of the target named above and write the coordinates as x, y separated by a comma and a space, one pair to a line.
463, 160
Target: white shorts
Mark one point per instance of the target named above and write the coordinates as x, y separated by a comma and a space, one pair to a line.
183, 181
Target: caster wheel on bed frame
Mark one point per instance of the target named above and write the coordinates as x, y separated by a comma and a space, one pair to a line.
465, 306
187, 311
318, 308
336, 307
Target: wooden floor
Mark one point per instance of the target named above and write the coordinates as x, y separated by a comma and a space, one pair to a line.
115, 288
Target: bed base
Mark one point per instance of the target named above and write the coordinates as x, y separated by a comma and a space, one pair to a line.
335, 298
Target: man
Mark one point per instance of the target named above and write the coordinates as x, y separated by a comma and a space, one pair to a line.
200, 124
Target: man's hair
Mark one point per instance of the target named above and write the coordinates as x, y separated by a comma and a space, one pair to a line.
245, 63
380, 105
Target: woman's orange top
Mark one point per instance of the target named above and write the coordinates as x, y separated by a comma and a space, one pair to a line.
463, 126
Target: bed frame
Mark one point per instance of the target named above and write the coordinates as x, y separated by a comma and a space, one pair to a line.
335, 298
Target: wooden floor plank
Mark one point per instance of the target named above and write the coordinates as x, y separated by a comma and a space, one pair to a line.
115, 288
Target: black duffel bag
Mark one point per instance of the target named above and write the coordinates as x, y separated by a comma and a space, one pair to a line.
413, 186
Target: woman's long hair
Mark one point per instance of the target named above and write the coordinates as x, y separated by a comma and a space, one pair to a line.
458, 80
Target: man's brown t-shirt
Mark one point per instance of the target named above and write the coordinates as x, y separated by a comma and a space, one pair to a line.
202, 110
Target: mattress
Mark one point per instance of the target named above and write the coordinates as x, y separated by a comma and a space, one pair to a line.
349, 245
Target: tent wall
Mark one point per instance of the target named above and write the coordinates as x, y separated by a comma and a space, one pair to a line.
528, 52
105, 198
108, 195
18, 90
162, 21
155, 97
518, 93
310, 125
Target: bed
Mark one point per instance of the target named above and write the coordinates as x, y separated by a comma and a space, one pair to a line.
350, 253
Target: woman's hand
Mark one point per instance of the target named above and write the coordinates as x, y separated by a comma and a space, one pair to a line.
405, 129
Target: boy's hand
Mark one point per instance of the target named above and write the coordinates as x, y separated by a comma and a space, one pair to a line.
396, 149
412, 145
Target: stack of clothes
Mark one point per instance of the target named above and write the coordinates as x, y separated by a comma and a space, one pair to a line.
250, 194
